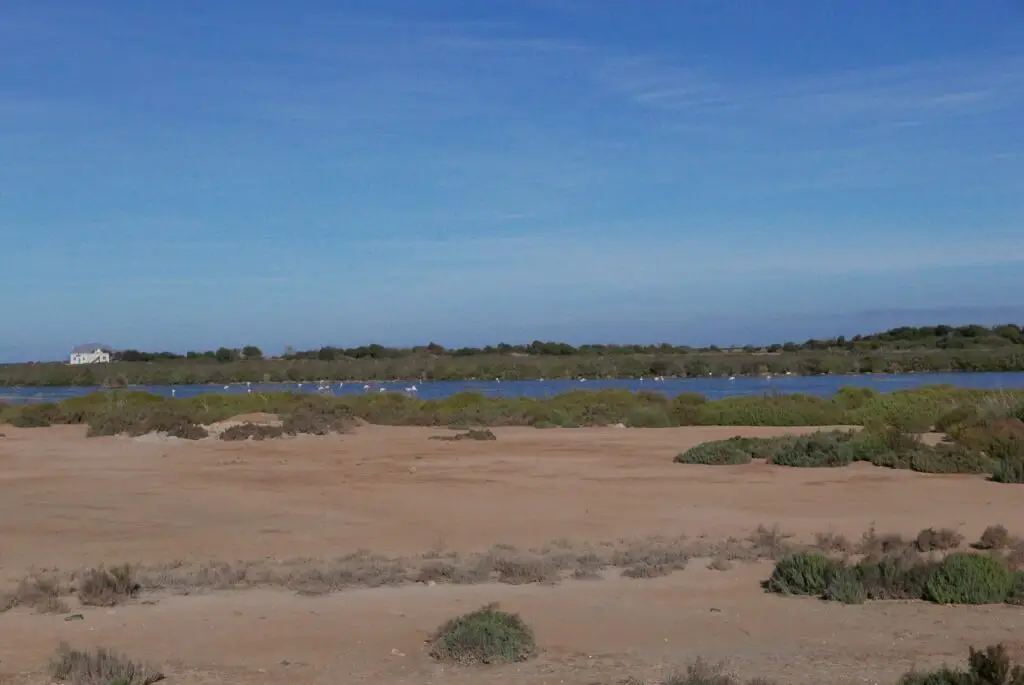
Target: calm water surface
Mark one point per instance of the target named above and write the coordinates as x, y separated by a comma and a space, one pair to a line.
823, 386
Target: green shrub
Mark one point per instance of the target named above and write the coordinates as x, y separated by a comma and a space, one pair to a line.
819, 449
846, 587
966, 578
485, 636
1008, 470
775, 410
648, 417
803, 573
1016, 594
37, 415
717, 453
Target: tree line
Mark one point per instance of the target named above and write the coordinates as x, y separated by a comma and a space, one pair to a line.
939, 337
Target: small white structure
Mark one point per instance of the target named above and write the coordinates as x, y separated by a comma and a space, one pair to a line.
91, 353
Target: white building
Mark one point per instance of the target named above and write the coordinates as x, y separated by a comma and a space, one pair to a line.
91, 353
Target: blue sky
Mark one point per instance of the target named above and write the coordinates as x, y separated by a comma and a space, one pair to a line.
190, 174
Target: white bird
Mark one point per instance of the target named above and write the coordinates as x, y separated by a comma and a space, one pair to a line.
381, 390
173, 391
732, 378
366, 387
227, 387
411, 388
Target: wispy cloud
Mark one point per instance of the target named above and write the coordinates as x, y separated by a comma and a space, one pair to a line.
896, 94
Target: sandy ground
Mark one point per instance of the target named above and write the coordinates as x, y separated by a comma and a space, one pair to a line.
67, 501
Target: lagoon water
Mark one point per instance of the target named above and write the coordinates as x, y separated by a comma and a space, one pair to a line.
713, 388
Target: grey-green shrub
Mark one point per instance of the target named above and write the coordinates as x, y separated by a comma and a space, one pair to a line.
967, 578
484, 636
803, 573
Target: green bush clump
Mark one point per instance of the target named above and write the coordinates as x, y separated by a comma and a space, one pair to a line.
803, 573
771, 410
718, 453
821, 449
1008, 470
648, 417
485, 636
174, 420
37, 415
966, 578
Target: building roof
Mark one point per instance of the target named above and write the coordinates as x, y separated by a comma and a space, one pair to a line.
91, 347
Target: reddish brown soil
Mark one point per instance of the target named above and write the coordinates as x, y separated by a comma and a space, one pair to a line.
67, 501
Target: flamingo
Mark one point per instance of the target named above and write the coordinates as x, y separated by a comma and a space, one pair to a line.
411, 388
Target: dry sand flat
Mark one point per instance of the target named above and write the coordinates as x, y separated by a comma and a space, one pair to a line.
67, 501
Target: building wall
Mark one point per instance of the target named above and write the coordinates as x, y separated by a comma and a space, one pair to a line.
96, 357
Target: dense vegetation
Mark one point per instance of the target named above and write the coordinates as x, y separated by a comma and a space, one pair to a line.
905, 573
984, 438
906, 349
946, 407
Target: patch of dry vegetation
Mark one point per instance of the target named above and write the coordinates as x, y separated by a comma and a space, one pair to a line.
100, 667
40, 592
471, 434
107, 587
887, 566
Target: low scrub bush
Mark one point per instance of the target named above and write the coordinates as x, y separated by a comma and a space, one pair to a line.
960, 578
485, 636
994, 537
106, 587
803, 573
931, 539
821, 449
897, 575
471, 434
991, 666
174, 420
718, 453
41, 593
648, 417
701, 672
252, 431
966, 578
1009, 470
319, 418
100, 667
37, 415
